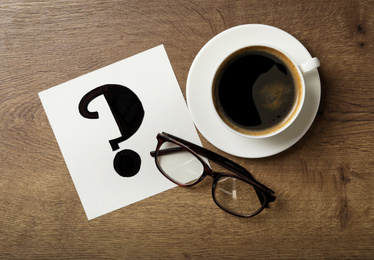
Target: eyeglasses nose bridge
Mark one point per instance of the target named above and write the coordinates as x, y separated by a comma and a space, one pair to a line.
208, 171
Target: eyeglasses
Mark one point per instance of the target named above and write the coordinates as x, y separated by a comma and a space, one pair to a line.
186, 164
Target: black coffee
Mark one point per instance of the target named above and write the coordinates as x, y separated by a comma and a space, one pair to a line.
255, 90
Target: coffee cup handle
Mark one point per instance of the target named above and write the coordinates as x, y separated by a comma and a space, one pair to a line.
310, 65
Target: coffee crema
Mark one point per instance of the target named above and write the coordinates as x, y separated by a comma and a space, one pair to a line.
256, 90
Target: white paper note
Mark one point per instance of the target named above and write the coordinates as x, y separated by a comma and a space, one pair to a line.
146, 86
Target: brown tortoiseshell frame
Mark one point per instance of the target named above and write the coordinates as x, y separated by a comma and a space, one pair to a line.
265, 195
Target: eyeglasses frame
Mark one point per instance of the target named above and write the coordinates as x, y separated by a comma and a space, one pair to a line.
265, 195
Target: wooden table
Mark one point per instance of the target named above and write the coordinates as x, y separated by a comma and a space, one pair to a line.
324, 183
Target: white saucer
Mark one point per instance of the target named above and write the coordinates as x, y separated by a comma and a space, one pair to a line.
198, 91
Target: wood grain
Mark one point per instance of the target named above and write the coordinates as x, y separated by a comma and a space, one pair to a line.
324, 183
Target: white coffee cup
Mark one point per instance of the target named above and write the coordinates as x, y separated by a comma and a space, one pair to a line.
259, 90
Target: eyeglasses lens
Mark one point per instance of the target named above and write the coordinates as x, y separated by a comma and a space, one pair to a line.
237, 196
179, 164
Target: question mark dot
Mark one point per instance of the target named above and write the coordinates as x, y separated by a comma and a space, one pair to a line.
127, 163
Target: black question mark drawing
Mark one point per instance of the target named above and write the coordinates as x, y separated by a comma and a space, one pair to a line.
128, 113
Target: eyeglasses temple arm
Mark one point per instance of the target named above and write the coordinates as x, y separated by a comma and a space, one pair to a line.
167, 151
227, 163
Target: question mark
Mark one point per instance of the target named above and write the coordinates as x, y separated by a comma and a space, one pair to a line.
128, 113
